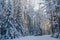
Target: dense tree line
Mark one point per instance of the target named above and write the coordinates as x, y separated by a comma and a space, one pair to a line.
12, 20
16, 19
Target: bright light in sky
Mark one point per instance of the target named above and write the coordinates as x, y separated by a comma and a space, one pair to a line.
35, 4
6, 1
36, 7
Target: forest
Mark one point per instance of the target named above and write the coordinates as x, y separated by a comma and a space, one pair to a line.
19, 18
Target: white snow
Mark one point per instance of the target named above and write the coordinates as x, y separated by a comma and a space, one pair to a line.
45, 37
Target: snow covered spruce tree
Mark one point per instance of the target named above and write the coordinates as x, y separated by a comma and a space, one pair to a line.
58, 18
54, 10
10, 28
2, 6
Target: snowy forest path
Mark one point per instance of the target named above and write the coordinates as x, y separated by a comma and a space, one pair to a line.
44, 37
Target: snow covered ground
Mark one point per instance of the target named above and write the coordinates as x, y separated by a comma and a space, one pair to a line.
45, 37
